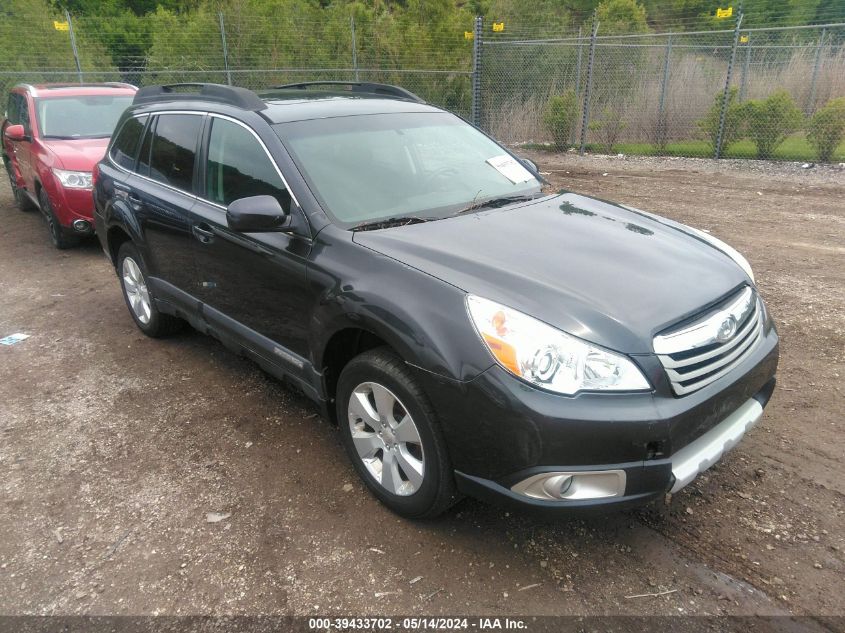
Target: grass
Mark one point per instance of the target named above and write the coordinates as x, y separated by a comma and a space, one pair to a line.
795, 148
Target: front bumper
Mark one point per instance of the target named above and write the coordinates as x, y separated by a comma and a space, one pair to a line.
501, 431
71, 205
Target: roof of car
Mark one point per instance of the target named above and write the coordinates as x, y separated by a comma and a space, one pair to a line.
283, 104
298, 106
51, 90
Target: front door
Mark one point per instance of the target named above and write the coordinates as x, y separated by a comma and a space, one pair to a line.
256, 280
19, 112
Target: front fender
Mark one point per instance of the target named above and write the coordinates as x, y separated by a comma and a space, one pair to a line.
423, 318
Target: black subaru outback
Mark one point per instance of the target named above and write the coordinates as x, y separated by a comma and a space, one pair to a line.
468, 333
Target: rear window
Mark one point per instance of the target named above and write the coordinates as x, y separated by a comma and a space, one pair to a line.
125, 145
174, 149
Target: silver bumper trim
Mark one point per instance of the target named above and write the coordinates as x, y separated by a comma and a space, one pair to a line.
698, 456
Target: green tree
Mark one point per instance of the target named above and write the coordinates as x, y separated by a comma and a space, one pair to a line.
734, 120
826, 129
621, 16
559, 118
769, 121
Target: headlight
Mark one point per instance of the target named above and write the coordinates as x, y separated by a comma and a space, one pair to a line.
547, 357
73, 179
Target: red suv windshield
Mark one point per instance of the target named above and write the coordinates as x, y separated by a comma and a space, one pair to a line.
80, 117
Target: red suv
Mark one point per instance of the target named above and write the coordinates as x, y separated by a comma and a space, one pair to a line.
53, 136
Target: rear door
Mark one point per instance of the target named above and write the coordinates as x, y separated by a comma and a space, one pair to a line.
252, 283
162, 196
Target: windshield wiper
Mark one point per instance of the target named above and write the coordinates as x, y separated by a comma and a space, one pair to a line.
389, 222
494, 203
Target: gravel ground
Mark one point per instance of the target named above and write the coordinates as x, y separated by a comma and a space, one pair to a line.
114, 448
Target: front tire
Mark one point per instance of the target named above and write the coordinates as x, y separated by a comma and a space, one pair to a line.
58, 236
390, 431
139, 299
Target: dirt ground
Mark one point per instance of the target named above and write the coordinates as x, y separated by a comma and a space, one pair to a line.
114, 447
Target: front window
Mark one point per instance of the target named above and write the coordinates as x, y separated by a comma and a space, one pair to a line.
80, 117
369, 168
239, 167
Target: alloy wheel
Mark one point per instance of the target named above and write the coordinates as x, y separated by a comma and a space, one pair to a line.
386, 438
135, 287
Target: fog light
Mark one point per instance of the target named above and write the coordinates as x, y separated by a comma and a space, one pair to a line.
81, 226
573, 486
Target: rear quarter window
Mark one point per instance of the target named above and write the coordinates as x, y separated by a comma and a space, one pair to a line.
125, 145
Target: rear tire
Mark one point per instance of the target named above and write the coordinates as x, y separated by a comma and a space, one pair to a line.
58, 235
390, 431
139, 298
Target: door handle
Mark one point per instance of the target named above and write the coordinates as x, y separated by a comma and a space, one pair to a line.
203, 233
134, 201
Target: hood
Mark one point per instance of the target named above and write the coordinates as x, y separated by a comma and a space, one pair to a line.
593, 269
77, 154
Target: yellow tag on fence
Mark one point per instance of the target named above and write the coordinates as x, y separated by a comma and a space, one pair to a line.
743, 39
498, 27
724, 13
468, 35
60, 26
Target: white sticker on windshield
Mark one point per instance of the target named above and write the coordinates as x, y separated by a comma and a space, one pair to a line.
510, 168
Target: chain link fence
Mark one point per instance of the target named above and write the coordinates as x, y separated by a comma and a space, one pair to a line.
759, 92
749, 93
244, 49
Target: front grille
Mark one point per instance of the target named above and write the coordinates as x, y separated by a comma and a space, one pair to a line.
695, 355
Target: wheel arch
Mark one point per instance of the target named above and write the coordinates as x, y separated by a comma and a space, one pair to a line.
342, 346
115, 237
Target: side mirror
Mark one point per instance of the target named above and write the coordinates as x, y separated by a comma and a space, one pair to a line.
530, 165
256, 214
15, 133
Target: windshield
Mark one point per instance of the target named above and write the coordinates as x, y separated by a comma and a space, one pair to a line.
369, 168
80, 117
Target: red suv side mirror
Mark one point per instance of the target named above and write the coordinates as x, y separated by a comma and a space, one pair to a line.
15, 133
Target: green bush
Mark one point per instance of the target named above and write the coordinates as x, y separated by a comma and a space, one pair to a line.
560, 116
608, 127
734, 120
769, 121
827, 129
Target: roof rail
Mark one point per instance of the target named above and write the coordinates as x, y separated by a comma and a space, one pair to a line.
87, 84
367, 87
230, 95
57, 86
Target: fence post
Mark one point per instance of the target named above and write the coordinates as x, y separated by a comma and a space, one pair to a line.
225, 49
585, 114
811, 100
743, 86
478, 33
577, 82
724, 112
73, 45
354, 46
661, 121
